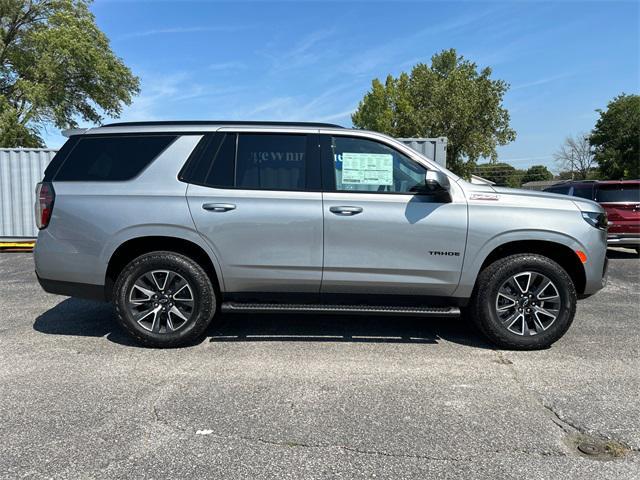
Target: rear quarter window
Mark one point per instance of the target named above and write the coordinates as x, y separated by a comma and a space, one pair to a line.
111, 158
618, 193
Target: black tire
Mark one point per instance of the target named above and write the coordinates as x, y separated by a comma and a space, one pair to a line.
483, 310
203, 295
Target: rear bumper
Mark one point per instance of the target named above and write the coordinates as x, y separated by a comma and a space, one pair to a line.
622, 239
73, 289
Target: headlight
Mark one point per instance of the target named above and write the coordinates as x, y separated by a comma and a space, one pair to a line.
596, 219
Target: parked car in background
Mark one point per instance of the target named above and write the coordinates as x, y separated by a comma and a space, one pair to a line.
621, 200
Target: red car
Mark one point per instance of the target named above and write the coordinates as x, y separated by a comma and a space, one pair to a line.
621, 200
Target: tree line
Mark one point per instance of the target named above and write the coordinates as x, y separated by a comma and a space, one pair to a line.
452, 98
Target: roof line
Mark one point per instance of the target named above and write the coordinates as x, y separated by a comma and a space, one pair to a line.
220, 122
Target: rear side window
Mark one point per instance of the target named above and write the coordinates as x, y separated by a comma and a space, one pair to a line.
255, 161
618, 193
113, 158
271, 162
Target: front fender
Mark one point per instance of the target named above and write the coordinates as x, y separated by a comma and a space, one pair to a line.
478, 251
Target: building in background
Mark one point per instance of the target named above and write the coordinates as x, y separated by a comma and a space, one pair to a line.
20, 170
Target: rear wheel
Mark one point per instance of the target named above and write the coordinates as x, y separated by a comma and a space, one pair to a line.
523, 302
164, 299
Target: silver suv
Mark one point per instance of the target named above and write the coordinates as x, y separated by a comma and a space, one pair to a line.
176, 221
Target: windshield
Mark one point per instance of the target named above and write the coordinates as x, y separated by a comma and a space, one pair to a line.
618, 193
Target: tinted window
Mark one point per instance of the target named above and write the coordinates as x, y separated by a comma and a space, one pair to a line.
271, 162
584, 191
618, 193
366, 166
563, 190
58, 159
212, 162
111, 158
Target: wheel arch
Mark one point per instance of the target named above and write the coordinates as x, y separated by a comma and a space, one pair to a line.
134, 247
560, 253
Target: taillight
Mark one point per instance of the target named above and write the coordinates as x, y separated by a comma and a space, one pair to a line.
45, 196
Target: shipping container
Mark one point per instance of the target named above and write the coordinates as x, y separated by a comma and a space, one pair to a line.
20, 170
433, 148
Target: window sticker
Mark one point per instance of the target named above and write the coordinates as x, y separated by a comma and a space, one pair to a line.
367, 168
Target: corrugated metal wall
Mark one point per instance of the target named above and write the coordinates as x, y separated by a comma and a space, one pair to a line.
432, 148
20, 170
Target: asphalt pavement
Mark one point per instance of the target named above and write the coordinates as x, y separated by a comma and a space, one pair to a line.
305, 397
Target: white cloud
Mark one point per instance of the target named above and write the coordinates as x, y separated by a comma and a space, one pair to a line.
175, 30
235, 65
542, 81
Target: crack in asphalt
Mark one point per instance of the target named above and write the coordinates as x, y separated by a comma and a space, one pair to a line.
568, 426
157, 418
361, 451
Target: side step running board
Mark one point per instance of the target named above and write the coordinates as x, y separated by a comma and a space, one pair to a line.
235, 307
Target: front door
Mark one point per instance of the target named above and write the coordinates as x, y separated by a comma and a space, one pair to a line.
254, 204
382, 233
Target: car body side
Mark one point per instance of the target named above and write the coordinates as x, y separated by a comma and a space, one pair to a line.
91, 221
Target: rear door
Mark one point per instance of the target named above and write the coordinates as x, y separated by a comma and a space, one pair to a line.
255, 198
381, 234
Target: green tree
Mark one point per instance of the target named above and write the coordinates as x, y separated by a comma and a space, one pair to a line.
515, 180
448, 98
56, 66
537, 173
616, 138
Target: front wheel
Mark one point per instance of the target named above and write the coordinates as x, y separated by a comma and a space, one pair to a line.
523, 302
164, 299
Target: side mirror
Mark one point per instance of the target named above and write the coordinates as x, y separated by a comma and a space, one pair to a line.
435, 181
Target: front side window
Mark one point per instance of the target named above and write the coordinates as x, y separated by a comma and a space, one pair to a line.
271, 162
362, 165
113, 158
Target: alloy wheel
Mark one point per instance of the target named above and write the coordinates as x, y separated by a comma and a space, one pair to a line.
161, 301
528, 303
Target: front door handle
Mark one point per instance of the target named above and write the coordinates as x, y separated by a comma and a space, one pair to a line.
219, 207
344, 210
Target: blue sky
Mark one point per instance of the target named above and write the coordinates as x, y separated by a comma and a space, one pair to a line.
314, 60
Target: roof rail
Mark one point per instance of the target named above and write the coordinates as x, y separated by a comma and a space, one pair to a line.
220, 122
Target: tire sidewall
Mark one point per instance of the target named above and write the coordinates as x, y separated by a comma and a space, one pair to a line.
565, 288
203, 293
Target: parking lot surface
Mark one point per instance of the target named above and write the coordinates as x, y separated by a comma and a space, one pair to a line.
315, 396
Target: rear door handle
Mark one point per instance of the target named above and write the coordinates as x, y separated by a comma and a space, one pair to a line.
344, 210
219, 207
